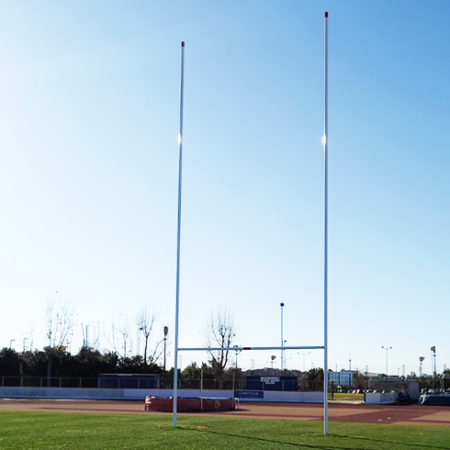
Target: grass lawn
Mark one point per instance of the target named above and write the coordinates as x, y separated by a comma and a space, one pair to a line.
37, 430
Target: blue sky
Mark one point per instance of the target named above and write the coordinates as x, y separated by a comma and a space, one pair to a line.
89, 159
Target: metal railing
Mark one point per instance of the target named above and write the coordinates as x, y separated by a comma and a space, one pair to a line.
164, 383
54, 382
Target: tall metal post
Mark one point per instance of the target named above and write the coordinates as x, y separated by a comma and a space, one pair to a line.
177, 302
433, 364
201, 389
166, 330
387, 360
325, 312
282, 340
387, 364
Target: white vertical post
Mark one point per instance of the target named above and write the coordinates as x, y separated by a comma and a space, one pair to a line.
282, 339
325, 312
387, 365
201, 389
177, 303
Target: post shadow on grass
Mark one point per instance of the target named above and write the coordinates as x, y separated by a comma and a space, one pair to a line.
321, 446
412, 445
273, 441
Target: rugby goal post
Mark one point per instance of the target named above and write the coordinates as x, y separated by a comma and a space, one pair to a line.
325, 345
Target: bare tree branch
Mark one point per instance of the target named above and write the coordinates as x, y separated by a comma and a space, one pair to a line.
145, 322
119, 336
220, 332
60, 323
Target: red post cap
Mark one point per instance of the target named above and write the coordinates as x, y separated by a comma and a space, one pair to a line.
326, 13
182, 43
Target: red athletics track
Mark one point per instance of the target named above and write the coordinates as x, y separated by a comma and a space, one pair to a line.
385, 414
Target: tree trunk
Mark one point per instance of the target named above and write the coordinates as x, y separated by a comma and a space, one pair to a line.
219, 378
145, 351
49, 370
21, 373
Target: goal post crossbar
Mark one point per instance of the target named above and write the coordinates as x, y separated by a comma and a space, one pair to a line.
214, 349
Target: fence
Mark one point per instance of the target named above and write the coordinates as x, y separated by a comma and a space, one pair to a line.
76, 382
164, 383
208, 383
129, 381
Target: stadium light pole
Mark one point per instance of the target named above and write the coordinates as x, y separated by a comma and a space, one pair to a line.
433, 355
387, 350
304, 354
325, 283
282, 341
272, 358
177, 295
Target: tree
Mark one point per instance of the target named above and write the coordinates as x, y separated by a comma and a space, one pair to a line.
145, 322
220, 332
60, 324
360, 380
90, 363
192, 375
314, 378
120, 333
9, 362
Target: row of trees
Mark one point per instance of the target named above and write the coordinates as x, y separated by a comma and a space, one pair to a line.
60, 325
89, 363
56, 361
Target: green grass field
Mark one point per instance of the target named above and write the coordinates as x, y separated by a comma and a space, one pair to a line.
36, 430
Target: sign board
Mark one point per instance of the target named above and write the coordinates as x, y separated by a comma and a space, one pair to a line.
249, 394
259, 383
270, 380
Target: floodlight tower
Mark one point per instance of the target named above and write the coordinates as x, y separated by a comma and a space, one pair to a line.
272, 358
433, 354
303, 354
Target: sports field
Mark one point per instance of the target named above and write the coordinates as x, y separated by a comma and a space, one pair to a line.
36, 424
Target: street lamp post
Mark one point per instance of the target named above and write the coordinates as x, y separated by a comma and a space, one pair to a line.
282, 341
166, 330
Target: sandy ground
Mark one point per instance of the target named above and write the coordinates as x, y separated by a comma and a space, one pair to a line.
386, 414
